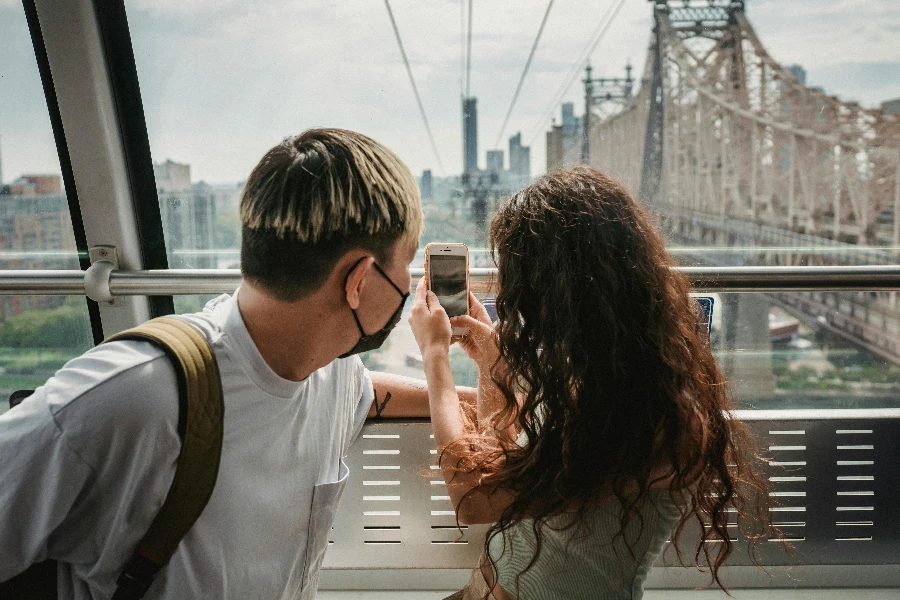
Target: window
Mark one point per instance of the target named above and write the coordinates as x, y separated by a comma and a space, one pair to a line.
743, 167
37, 333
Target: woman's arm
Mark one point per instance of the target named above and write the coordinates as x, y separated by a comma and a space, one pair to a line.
481, 346
473, 502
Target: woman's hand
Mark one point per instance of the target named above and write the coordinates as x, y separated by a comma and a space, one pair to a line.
480, 344
429, 323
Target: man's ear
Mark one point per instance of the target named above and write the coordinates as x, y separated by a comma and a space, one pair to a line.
356, 280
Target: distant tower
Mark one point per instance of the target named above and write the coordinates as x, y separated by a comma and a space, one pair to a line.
569, 120
519, 158
470, 135
494, 161
555, 151
426, 185
798, 72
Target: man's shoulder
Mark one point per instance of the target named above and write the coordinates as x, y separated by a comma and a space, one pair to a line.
116, 364
122, 390
211, 320
125, 379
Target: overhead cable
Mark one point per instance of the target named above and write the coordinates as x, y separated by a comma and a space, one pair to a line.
412, 80
534, 46
596, 38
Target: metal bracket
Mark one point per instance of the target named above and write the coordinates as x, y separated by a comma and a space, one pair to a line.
104, 260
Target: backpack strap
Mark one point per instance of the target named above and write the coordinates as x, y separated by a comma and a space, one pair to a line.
202, 409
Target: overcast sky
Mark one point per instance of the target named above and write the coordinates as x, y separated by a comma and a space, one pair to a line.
224, 80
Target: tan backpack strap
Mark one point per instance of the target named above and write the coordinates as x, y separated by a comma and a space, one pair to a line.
201, 399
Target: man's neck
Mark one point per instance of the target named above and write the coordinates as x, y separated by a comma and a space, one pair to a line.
294, 338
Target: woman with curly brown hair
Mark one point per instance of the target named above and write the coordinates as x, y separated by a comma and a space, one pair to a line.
602, 424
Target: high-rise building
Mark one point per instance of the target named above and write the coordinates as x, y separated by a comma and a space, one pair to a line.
555, 148
495, 161
35, 233
189, 221
519, 159
45, 184
172, 176
570, 123
891, 107
425, 185
470, 135
188, 213
572, 134
798, 72
36, 185
564, 142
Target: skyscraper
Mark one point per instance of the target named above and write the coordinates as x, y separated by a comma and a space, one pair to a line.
798, 72
470, 135
426, 185
519, 159
495, 161
555, 148
570, 123
172, 176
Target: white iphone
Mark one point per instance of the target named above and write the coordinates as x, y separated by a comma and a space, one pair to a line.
447, 275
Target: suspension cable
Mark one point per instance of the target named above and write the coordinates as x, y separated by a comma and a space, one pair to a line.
534, 46
602, 27
412, 80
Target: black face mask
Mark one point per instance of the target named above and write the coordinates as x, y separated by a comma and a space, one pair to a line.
375, 340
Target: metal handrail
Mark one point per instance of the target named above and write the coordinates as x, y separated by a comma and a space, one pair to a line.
172, 282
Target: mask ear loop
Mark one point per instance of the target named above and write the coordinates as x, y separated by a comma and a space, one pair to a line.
390, 281
352, 310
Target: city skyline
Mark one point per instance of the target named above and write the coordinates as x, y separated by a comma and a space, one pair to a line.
361, 84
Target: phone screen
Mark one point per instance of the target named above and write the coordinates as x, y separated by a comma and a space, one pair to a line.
704, 316
448, 282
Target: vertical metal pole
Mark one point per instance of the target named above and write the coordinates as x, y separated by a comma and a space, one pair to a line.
754, 157
697, 151
793, 168
813, 187
653, 142
897, 203
896, 219
586, 126
723, 164
836, 201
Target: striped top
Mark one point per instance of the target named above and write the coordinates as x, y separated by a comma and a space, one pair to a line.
587, 560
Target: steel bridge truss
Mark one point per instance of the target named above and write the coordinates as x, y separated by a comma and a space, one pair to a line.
726, 143
739, 136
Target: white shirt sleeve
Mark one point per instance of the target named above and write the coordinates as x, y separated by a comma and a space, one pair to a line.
43, 480
87, 460
367, 396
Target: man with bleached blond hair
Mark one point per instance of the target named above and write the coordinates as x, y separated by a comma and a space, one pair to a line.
331, 220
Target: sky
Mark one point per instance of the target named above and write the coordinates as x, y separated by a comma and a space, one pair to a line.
224, 80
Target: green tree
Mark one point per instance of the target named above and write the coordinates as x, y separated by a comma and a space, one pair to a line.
66, 326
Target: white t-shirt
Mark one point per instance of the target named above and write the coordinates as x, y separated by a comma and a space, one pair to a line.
86, 462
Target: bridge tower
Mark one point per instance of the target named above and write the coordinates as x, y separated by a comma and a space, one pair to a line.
603, 97
714, 20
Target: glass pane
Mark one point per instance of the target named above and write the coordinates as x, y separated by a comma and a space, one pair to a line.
38, 334
802, 350
744, 165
